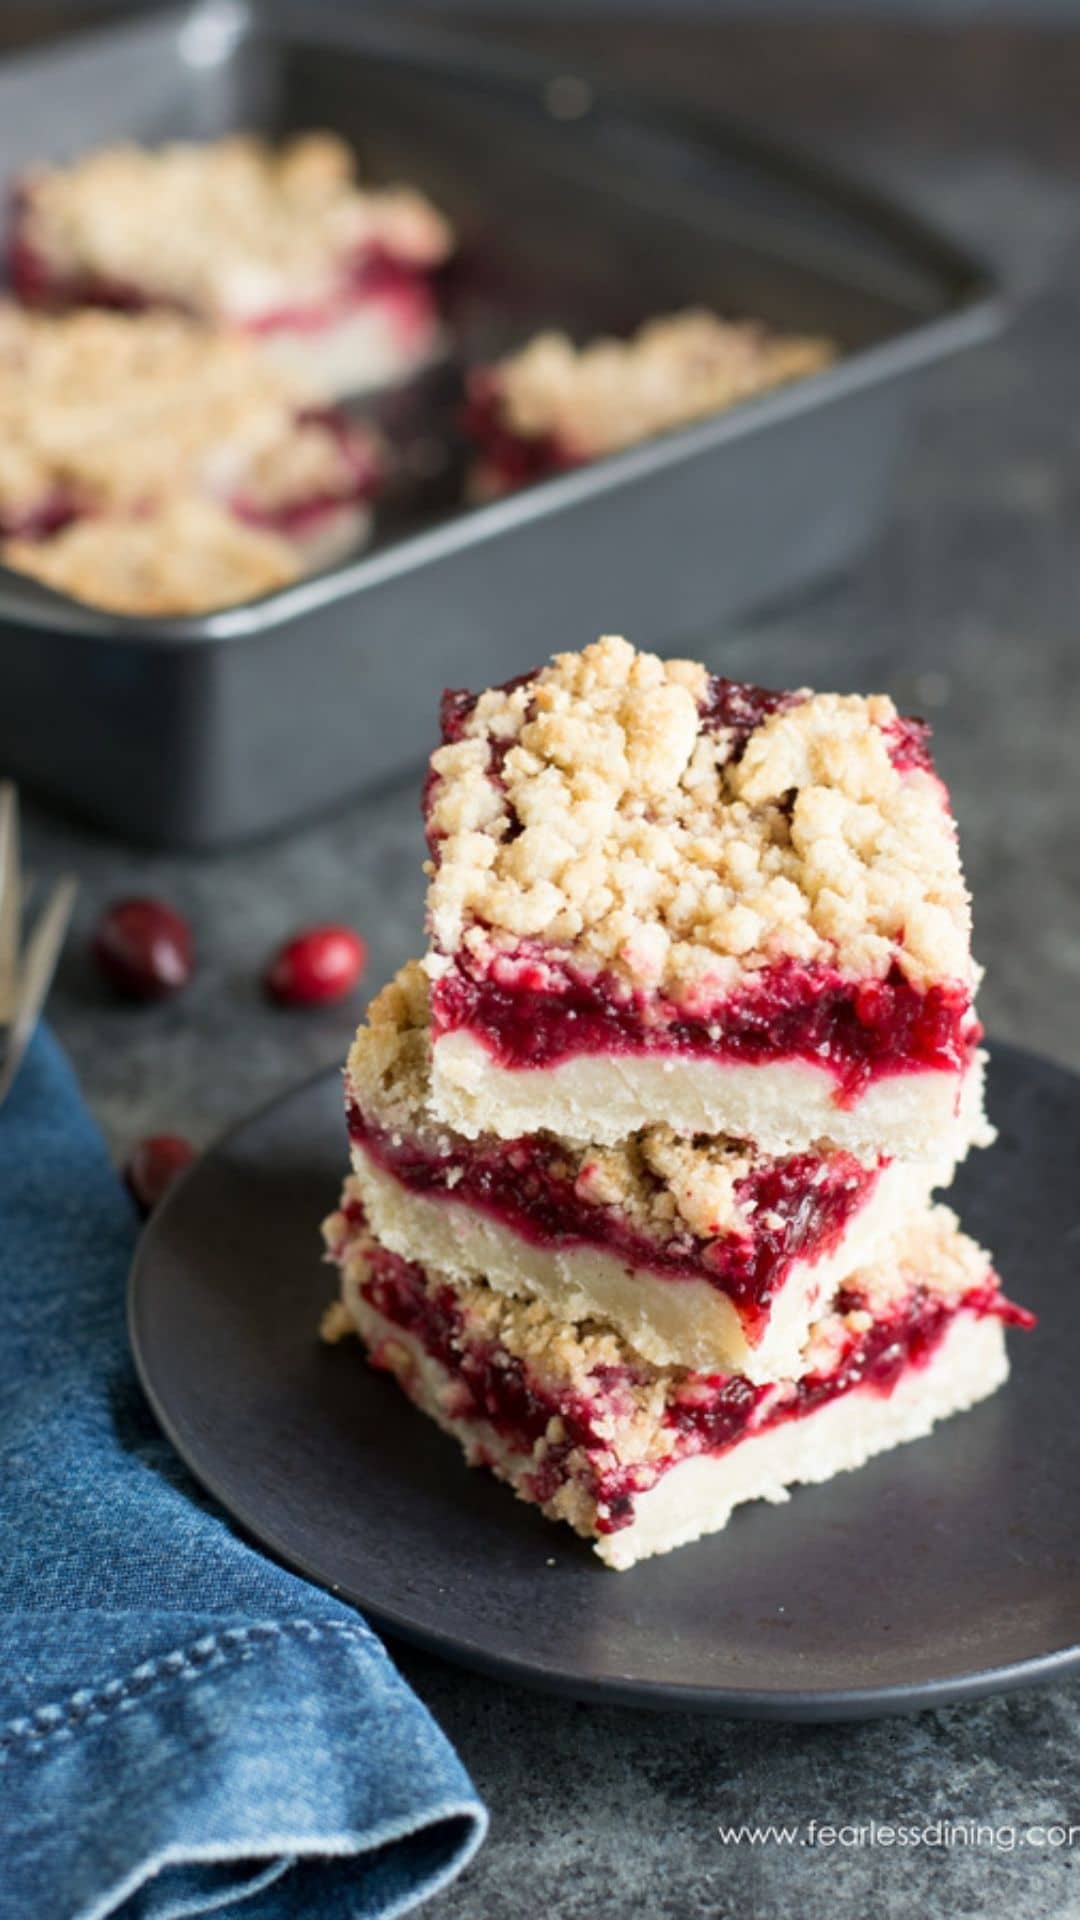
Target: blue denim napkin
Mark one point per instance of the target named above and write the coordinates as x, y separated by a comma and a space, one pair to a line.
184, 1727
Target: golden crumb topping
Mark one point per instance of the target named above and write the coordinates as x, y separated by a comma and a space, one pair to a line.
612, 393
230, 228
630, 1398
664, 1186
118, 411
336, 1324
190, 558
598, 809
388, 1072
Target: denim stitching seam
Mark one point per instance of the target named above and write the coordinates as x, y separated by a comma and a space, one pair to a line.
90, 1707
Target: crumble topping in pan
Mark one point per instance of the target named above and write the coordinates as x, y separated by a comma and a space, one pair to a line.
120, 410
191, 557
233, 225
611, 393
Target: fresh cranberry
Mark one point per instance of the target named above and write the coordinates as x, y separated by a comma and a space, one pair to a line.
154, 1164
144, 949
315, 967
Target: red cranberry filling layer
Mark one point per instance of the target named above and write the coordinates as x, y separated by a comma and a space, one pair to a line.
374, 274
707, 1413
37, 284
513, 459
498, 1387
739, 707
538, 1014
799, 1207
55, 510
714, 1411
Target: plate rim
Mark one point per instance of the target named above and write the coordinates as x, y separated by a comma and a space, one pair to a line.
806, 1705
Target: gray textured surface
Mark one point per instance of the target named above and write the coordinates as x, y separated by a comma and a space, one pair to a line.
966, 609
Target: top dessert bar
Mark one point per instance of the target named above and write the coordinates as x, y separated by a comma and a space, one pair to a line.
659, 896
283, 244
552, 405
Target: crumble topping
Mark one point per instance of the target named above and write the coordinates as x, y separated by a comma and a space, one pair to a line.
663, 1185
117, 411
313, 457
388, 1070
627, 1396
335, 1324
612, 393
598, 809
232, 227
191, 557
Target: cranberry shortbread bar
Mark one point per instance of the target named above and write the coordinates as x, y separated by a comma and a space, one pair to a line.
283, 245
701, 1252
552, 405
661, 897
641, 1458
190, 557
107, 418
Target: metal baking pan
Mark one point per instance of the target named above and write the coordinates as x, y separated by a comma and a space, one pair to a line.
197, 732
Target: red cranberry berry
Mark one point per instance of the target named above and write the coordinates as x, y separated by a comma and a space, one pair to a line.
315, 967
144, 949
154, 1164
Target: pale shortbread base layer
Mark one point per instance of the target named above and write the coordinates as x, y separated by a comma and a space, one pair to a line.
698, 1496
366, 349
783, 1106
671, 1321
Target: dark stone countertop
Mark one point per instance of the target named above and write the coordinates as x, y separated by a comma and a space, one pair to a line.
966, 609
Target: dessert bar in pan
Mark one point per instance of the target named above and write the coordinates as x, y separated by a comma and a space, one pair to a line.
324, 275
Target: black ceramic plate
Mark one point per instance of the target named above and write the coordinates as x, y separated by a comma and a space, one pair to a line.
947, 1569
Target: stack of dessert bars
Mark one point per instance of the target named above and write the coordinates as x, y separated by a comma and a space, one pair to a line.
644, 1150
